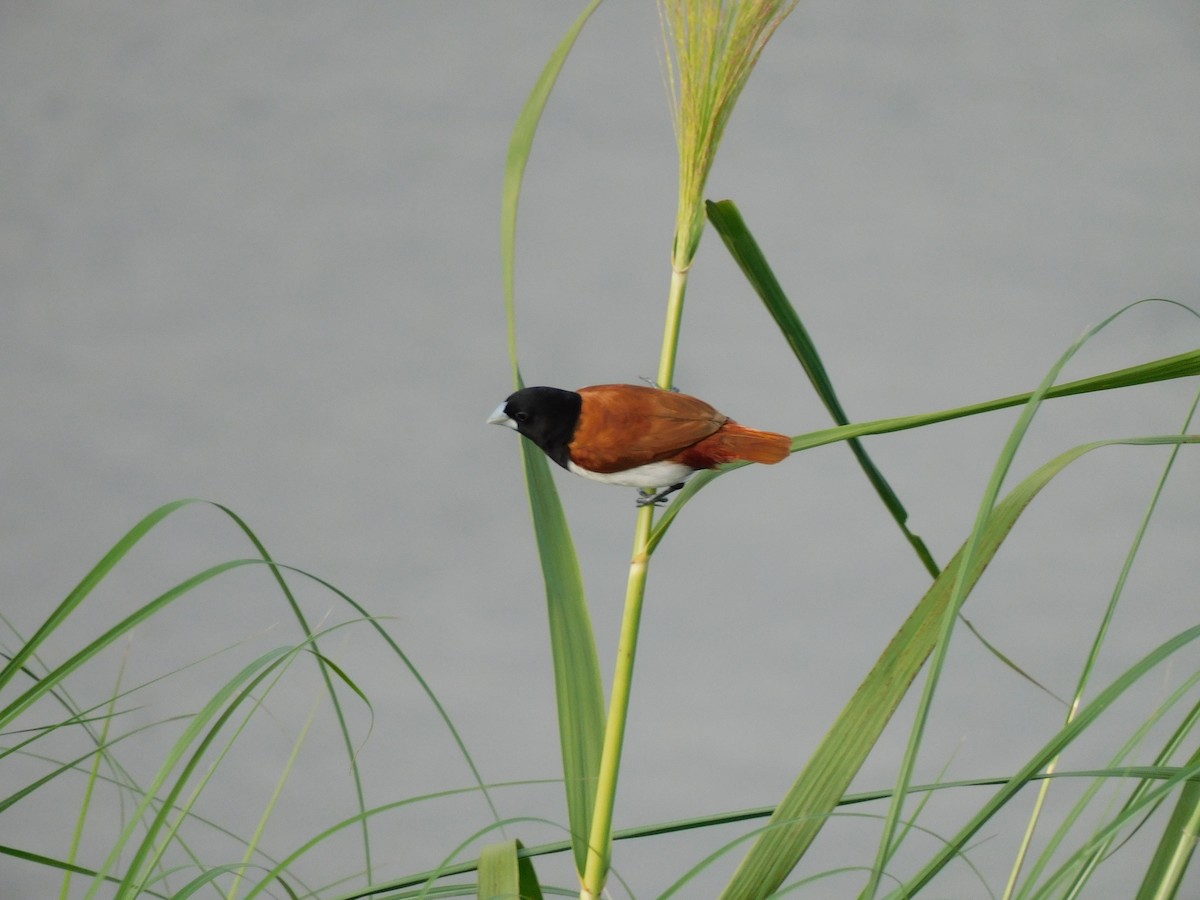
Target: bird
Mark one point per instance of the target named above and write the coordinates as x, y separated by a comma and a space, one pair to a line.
643, 437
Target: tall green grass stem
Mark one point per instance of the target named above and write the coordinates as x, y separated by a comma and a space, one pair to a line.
1094, 653
600, 839
670, 344
599, 855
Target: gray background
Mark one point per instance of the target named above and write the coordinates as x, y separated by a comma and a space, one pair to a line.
251, 254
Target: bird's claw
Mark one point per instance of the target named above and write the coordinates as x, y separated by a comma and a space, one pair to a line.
650, 498
655, 384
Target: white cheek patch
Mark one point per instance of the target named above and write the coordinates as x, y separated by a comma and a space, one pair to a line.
652, 475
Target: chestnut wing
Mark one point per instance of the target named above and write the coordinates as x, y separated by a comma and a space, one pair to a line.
624, 425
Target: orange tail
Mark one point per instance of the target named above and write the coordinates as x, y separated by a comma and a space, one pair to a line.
733, 442
756, 446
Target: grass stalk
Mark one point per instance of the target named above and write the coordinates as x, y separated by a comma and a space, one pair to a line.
600, 839
92, 778
1094, 654
253, 844
1175, 851
888, 844
675, 294
715, 48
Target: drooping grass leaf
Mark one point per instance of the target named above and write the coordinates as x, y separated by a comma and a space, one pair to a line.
519, 147
1179, 366
1085, 869
94, 577
52, 682
741, 244
578, 687
505, 874
1062, 739
52, 863
1177, 844
841, 753
217, 711
961, 588
577, 684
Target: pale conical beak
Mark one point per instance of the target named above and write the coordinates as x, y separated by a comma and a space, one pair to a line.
500, 418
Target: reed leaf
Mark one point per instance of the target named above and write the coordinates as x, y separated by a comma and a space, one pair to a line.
506, 875
1179, 366
843, 750
746, 253
520, 145
1177, 844
1081, 687
1064, 737
578, 687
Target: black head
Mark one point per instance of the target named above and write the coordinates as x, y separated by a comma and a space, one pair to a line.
545, 415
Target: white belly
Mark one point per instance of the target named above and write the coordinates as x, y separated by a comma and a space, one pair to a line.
651, 475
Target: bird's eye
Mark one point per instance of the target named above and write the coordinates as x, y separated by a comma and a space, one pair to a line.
522, 416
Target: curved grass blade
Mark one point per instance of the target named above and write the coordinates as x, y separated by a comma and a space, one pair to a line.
728, 221
1177, 844
577, 685
1087, 715
888, 843
578, 688
843, 750
519, 147
283, 865
189, 751
343, 725
112, 558
85, 803
1085, 864
1081, 688
448, 861
232, 692
1179, 366
285, 773
47, 683
504, 873
745, 251
50, 862
73, 599
17, 662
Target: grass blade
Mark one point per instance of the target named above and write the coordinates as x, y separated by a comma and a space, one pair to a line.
1176, 846
578, 687
519, 147
728, 222
1179, 366
505, 875
251, 675
820, 785
77, 596
1088, 667
1062, 739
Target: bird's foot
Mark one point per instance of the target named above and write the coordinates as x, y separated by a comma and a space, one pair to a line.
650, 498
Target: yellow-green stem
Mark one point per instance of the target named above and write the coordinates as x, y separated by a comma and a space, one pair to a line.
1039, 804
666, 361
600, 839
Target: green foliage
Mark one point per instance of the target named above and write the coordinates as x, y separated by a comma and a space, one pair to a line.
712, 50
577, 682
506, 875
163, 809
